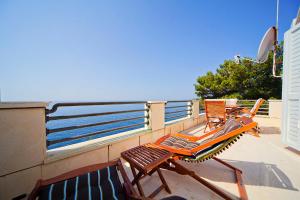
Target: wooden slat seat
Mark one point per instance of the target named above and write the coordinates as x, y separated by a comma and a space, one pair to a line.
147, 160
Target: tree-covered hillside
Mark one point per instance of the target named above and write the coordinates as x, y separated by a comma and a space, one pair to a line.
247, 80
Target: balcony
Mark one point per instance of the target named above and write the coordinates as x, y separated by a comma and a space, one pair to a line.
269, 168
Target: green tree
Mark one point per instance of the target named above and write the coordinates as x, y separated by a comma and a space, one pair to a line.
247, 80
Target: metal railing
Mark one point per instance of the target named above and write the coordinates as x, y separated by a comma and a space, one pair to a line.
90, 120
201, 107
177, 109
263, 109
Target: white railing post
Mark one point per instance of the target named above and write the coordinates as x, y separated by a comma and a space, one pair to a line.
275, 108
146, 114
22, 147
190, 109
195, 108
156, 115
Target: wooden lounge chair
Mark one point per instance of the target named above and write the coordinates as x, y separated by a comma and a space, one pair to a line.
99, 181
251, 113
207, 146
215, 113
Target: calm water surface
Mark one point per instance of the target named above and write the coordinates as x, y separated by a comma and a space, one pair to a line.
96, 119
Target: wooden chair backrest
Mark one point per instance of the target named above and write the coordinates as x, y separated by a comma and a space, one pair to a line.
256, 106
215, 109
246, 125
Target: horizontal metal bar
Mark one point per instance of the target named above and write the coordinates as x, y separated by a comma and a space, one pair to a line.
92, 114
258, 109
55, 106
20, 108
176, 106
247, 100
249, 104
177, 111
262, 112
179, 101
90, 125
94, 133
176, 116
245, 106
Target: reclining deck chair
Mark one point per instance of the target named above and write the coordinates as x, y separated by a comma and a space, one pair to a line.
198, 149
99, 181
244, 112
251, 113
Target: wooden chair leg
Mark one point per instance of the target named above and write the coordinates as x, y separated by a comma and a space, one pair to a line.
163, 180
205, 126
184, 171
136, 181
138, 176
209, 125
238, 176
176, 167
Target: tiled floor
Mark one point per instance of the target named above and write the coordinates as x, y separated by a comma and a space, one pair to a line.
270, 169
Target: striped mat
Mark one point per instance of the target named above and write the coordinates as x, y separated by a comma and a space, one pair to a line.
102, 184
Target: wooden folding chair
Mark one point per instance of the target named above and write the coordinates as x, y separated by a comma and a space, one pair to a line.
215, 112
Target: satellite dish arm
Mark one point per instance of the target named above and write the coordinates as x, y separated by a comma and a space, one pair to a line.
276, 42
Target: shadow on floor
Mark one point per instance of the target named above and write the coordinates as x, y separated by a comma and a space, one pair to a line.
270, 130
257, 174
295, 151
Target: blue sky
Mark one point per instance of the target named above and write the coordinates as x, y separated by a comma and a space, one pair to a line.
127, 49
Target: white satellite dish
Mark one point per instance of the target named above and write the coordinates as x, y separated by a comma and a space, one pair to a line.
267, 44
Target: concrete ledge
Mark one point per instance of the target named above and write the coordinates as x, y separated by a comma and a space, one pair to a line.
274, 100
22, 139
19, 183
90, 145
20, 105
262, 116
176, 121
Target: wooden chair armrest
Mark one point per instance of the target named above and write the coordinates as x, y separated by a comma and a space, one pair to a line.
245, 110
34, 192
196, 138
77, 172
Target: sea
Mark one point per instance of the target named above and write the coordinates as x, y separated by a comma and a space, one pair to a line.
75, 110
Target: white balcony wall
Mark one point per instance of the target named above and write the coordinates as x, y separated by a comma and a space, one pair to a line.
25, 159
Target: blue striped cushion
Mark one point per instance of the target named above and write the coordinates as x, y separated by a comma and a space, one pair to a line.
102, 184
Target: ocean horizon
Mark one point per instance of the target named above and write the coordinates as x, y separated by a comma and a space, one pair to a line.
75, 110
